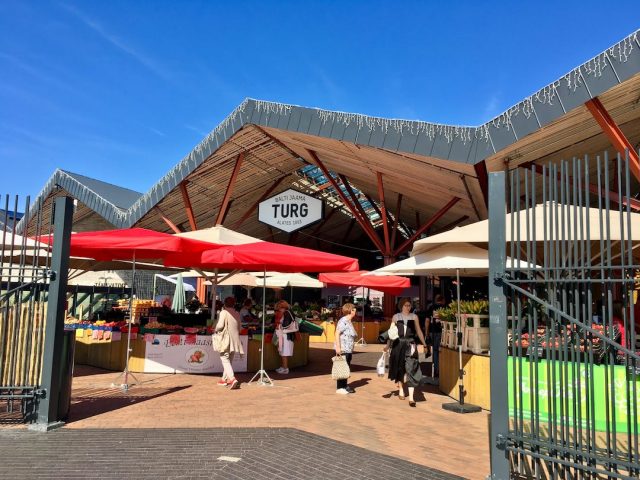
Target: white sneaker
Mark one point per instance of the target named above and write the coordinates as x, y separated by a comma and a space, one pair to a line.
342, 391
281, 370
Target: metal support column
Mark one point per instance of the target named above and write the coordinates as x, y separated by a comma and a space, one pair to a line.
53, 358
498, 328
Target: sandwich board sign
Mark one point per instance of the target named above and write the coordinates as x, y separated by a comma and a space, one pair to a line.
290, 210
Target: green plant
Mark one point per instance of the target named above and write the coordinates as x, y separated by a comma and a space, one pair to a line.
475, 307
446, 314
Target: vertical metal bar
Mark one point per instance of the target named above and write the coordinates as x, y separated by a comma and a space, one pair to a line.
498, 330
634, 456
51, 371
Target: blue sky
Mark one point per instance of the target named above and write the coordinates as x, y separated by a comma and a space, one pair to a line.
122, 90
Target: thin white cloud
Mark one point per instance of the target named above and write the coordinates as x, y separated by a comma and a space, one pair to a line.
116, 41
491, 108
156, 131
199, 131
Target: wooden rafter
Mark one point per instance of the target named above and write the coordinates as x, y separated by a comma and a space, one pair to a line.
362, 221
424, 227
383, 208
249, 212
473, 204
187, 206
229, 191
321, 225
449, 226
396, 224
615, 134
349, 229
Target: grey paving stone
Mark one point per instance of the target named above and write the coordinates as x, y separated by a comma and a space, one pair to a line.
266, 453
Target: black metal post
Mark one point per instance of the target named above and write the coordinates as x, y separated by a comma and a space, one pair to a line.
53, 358
498, 328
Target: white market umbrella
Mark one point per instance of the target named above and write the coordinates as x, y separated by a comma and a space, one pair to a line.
478, 232
444, 260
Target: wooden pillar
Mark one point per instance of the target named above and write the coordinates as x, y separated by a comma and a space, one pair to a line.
389, 301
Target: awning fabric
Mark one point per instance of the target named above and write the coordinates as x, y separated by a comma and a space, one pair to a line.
390, 284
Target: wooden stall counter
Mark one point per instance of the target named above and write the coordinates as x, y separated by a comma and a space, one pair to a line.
372, 329
476, 379
177, 354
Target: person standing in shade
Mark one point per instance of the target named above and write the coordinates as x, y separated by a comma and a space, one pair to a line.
434, 330
345, 339
404, 364
231, 318
283, 318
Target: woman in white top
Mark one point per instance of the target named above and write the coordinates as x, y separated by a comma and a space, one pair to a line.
404, 364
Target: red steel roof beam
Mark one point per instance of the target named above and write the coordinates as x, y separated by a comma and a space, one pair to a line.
362, 221
187, 206
229, 191
615, 135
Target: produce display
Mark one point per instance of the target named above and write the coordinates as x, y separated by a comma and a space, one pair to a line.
563, 341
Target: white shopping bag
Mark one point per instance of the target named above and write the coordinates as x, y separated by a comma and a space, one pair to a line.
382, 365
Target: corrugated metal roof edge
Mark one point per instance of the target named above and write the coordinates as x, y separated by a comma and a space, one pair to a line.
623, 58
82, 193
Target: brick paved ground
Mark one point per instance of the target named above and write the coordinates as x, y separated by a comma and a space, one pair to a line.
195, 453
305, 400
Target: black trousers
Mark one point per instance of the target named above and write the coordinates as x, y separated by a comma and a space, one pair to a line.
343, 383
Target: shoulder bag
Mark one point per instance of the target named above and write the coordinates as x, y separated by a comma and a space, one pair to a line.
221, 341
290, 327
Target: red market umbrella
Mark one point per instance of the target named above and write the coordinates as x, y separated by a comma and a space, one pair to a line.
265, 255
268, 256
392, 284
131, 243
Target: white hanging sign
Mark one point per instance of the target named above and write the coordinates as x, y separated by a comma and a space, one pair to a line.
290, 210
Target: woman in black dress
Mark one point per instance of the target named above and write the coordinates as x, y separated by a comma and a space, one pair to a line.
404, 364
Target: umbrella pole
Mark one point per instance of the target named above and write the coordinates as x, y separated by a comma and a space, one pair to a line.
362, 341
126, 373
460, 406
263, 377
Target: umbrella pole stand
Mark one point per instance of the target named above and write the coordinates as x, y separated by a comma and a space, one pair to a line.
362, 341
460, 406
261, 375
126, 373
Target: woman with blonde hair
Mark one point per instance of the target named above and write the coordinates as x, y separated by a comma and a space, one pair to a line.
283, 318
345, 339
230, 319
404, 364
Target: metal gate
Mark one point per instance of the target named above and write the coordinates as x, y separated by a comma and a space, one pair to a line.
565, 369
29, 282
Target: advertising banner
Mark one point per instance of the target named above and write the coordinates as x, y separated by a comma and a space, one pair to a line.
186, 354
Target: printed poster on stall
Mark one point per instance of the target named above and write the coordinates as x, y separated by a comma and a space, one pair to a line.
167, 354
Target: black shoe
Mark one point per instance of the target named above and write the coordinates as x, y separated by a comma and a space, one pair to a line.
350, 390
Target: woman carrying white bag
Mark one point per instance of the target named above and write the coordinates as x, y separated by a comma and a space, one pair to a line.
345, 339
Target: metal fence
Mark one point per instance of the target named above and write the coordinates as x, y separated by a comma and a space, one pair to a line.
24, 279
563, 288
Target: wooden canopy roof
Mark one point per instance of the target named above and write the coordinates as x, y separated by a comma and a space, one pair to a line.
429, 177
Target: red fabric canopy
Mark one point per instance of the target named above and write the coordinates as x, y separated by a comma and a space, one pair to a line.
129, 243
391, 284
264, 255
